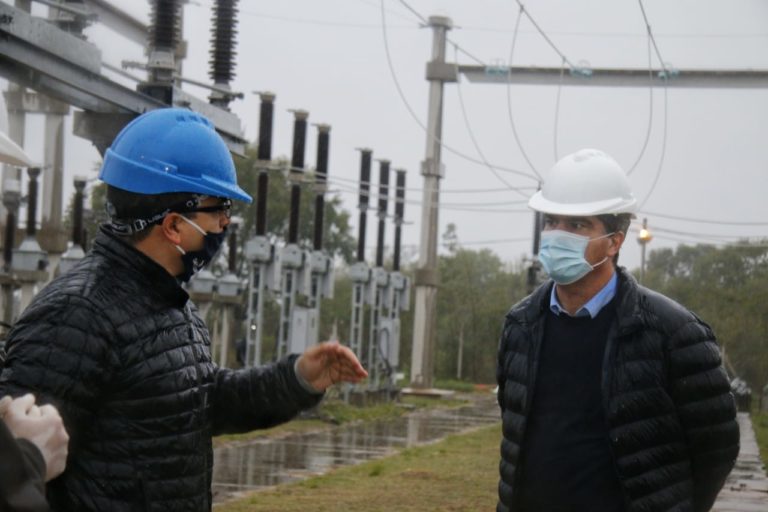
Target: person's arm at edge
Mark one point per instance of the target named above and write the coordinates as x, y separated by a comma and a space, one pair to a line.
22, 474
43, 347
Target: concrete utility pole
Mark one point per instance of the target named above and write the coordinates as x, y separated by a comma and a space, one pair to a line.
426, 279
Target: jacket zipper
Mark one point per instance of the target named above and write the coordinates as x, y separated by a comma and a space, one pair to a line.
536, 337
604, 384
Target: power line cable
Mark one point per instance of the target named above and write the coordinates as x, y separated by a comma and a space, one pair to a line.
697, 234
526, 239
650, 111
543, 34
448, 206
415, 12
416, 117
465, 52
663, 229
665, 78
650, 34
570, 33
442, 191
557, 108
663, 152
472, 137
311, 21
705, 221
425, 23
509, 94
374, 194
375, 5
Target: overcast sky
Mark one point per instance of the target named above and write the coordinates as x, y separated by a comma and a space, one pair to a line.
329, 57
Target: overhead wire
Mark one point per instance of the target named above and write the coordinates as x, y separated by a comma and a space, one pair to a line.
557, 109
416, 117
311, 21
665, 78
698, 234
705, 221
571, 33
375, 5
509, 94
543, 34
650, 34
414, 12
650, 111
443, 206
472, 137
442, 190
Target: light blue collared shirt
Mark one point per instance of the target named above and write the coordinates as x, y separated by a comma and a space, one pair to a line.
593, 306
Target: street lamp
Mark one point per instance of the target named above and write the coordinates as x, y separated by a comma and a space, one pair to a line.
643, 238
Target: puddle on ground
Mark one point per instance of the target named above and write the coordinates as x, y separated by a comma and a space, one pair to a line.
266, 462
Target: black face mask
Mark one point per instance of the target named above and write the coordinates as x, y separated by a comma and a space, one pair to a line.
194, 261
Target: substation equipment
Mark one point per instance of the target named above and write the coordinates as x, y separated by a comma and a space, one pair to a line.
52, 68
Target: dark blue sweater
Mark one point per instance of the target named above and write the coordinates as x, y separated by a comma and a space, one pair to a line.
567, 462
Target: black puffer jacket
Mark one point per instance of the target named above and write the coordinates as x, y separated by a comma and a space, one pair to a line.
117, 346
667, 400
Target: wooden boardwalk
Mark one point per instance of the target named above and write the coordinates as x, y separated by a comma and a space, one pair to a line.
746, 489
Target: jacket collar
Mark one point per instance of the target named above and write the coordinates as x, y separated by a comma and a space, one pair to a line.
629, 298
138, 267
628, 303
533, 307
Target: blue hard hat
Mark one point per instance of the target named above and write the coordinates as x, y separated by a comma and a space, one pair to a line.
171, 150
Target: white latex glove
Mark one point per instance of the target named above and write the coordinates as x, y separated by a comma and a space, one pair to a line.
40, 425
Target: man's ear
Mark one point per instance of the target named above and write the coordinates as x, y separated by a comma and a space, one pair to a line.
169, 227
617, 240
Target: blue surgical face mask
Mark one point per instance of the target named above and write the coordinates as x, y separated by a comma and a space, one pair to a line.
194, 261
562, 255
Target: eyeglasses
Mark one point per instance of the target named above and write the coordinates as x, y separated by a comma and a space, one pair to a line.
224, 208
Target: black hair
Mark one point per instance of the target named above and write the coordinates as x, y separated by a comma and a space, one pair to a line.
132, 215
616, 223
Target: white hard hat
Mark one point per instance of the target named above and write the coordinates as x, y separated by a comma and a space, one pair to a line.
587, 182
11, 153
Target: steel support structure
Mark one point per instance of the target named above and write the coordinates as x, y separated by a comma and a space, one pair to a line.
359, 272
259, 251
38, 55
293, 259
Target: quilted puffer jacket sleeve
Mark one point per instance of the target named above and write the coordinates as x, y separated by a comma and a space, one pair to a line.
500, 375
259, 397
706, 408
22, 474
58, 351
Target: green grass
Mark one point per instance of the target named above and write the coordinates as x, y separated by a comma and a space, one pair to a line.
336, 412
760, 424
459, 473
455, 385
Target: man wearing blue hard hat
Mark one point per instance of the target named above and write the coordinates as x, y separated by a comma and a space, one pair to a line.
613, 397
118, 347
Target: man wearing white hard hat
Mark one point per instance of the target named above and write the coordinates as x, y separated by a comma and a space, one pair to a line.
613, 397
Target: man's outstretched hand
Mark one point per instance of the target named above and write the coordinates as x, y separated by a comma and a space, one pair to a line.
327, 363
